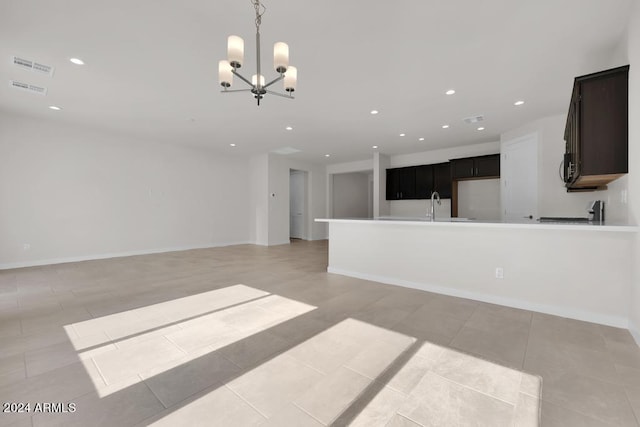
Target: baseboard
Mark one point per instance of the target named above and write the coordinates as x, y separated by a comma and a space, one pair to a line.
52, 261
616, 321
282, 242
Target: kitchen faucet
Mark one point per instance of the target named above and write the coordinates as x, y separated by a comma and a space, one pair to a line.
433, 207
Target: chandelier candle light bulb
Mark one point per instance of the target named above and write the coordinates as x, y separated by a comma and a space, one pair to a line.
235, 51
254, 80
225, 73
280, 57
291, 79
257, 86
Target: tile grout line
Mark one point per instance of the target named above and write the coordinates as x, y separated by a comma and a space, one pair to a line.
24, 360
245, 400
152, 392
462, 327
186, 353
360, 373
106, 383
305, 411
408, 418
633, 411
478, 391
526, 349
306, 364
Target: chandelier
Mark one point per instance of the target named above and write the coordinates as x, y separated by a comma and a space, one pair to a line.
235, 54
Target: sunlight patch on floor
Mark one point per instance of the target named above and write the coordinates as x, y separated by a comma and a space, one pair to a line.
365, 375
122, 349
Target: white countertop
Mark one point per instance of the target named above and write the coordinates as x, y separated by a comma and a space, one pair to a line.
464, 222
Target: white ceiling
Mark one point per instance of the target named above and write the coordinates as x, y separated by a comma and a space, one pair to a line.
151, 68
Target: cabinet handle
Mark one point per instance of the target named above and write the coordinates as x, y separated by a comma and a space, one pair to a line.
471, 171
476, 171
401, 194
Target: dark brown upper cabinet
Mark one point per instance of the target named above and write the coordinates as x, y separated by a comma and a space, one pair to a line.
424, 181
418, 182
393, 184
597, 130
401, 183
463, 168
442, 179
476, 167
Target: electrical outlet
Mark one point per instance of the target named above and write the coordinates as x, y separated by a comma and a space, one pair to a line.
26, 246
623, 197
499, 273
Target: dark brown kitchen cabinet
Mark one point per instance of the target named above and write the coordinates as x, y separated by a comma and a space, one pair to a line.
408, 183
597, 130
401, 183
462, 168
442, 179
393, 184
418, 182
488, 166
476, 167
424, 181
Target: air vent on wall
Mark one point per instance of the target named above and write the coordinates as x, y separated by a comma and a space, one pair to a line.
27, 87
473, 119
33, 66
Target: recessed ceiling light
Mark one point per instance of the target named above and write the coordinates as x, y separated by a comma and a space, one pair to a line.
450, 92
374, 112
54, 107
480, 128
374, 147
420, 139
402, 134
518, 103
445, 126
289, 128
327, 155
233, 145
77, 61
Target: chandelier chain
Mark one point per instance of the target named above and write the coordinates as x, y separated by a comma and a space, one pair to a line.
260, 10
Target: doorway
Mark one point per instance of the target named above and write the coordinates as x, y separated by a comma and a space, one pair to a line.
297, 204
352, 195
519, 178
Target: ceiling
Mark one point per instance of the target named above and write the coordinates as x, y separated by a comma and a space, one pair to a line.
151, 69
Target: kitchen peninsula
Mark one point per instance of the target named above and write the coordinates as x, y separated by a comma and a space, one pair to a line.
580, 271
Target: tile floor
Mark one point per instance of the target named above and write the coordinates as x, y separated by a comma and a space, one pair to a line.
248, 335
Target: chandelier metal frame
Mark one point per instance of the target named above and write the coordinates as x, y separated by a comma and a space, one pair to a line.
257, 86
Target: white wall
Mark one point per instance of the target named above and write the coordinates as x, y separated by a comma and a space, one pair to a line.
279, 167
553, 199
347, 167
479, 199
634, 161
357, 166
351, 195
419, 208
381, 207
259, 171
460, 259
74, 193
